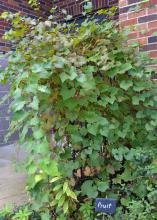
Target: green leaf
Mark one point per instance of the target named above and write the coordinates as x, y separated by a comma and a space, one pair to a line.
59, 195
86, 81
57, 187
42, 147
88, 188
65, 187
37, 68
91, 117
102, 186
52, 170
93, 128
45, 216
149, 127
76, 138
66, 207
38, 134
54, 203
118, 155
125, 201
130, 154
32, 169
23, 133
17, 106
59, 62
154, 34
139, 86
55, 179
88, 6
17, 93
135, 100
68, 17
67, 93
71, 194
61, 201
104, 131
44, 89
71, 103
35, 103
34, 121
64, 77
126, 176
38, 178
71, 75
123, 68
126, 84
20, 116
134, 44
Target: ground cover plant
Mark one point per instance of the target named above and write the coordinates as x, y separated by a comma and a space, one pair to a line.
84, 104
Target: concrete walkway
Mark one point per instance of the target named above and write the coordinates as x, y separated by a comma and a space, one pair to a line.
12, 184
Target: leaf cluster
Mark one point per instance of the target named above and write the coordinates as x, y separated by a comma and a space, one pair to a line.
84, 104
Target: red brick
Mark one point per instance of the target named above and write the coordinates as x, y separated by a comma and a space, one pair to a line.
141, 41
153, 54
129, 22
153, 2
148, 4
152, 25
5, 49
133, 35
123, 17
152, 10
12, 2
148, 32
100, 4
140, 13
142, 26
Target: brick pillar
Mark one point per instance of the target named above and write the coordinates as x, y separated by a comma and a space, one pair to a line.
144, 17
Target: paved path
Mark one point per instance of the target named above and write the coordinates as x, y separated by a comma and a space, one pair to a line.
12, 184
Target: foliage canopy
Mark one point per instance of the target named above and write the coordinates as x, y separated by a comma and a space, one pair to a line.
85, 106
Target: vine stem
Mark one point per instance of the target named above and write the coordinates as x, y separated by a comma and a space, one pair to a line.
103, 217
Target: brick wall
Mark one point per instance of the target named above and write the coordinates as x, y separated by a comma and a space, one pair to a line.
74, 7
144, 17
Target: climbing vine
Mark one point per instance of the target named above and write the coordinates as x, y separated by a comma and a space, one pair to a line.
84, 104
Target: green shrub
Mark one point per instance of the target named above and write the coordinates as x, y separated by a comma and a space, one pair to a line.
84, 103
20, 213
